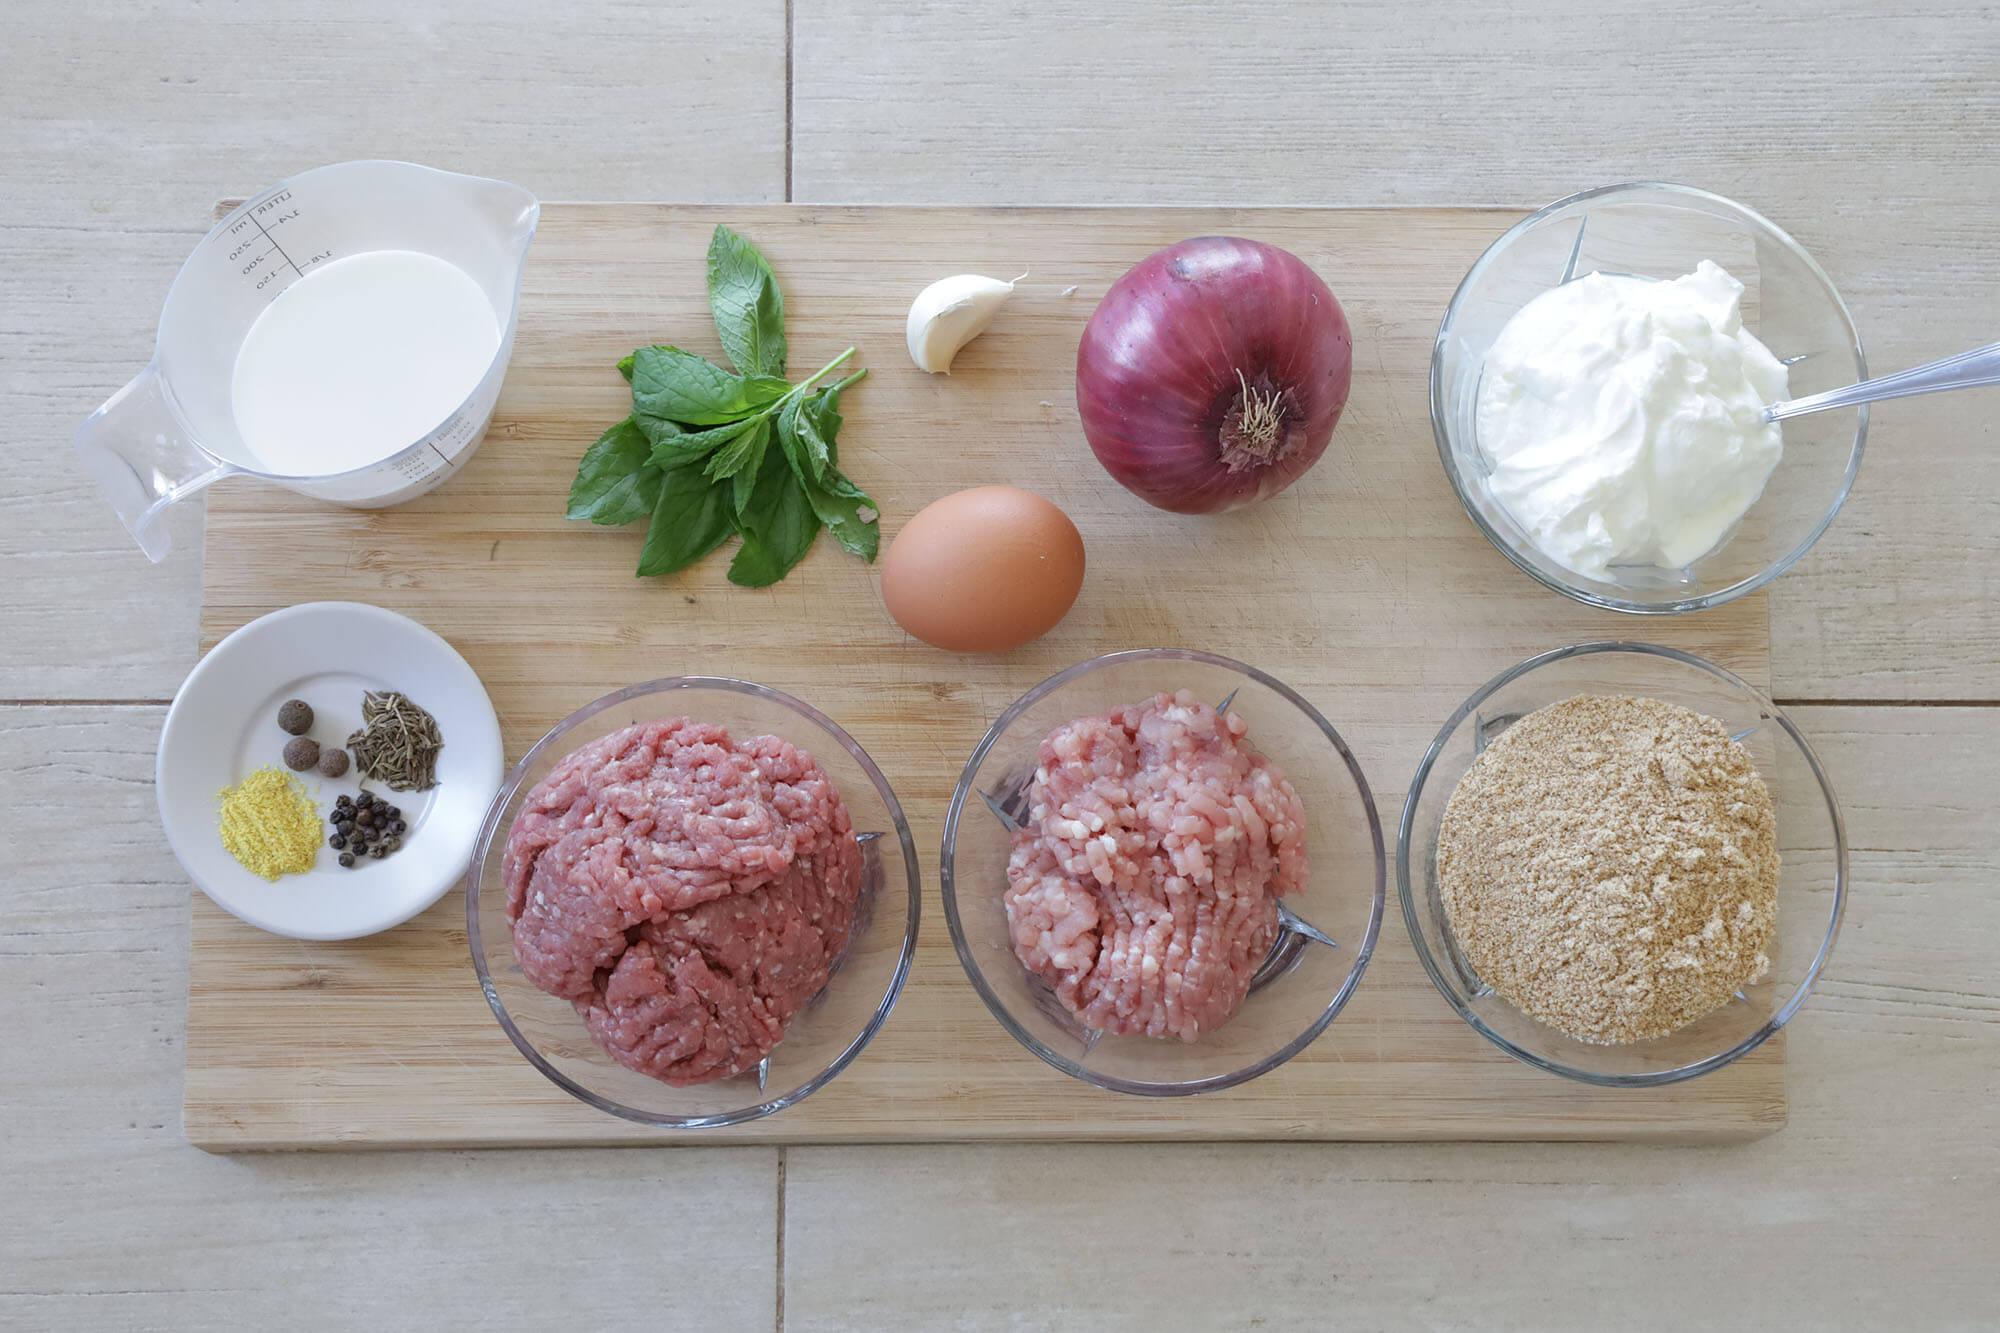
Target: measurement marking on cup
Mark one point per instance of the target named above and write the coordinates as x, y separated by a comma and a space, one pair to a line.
279, 248
252, 218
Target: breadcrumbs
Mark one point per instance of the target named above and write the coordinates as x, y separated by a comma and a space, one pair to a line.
270, 824
1609, 865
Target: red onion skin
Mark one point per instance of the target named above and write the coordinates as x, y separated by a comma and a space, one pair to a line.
1157, 371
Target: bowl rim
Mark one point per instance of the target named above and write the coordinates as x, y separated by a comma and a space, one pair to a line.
1113, 1083
1407, 892
511, 784
1440, 411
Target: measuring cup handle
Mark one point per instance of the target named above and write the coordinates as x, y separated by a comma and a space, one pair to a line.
138, 449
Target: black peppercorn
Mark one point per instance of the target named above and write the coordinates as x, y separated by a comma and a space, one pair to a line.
394, 812
378, 851
347, 859
343, 802
337, 841
295, 716
365, 799
397, 826
393, 845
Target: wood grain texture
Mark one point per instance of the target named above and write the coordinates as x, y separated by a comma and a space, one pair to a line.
1876, 1207
113, 1222
1882, 165
1363, 586
124, 122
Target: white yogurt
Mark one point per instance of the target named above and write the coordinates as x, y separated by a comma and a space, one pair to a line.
1624, 419
360, 358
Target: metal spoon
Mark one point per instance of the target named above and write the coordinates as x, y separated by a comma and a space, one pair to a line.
1967, 370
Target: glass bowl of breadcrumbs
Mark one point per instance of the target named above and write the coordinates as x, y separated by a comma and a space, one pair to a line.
1623, 864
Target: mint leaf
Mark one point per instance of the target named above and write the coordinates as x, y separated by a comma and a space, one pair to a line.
807, 428
674, 447
838, 502
823, 409
625, 365
690, 519
778, 527
743, 488
657, 430
744, 298
746, 451
680, 386
614, 482
804, 448
696, 452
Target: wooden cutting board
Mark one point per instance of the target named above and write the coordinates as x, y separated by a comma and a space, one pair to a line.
1364, 586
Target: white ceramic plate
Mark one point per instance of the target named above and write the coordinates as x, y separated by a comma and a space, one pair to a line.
224, 724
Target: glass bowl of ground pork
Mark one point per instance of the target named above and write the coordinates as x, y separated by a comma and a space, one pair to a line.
1623, 864
693, 902
1163, 872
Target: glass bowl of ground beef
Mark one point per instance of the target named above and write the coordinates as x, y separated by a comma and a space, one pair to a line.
1163, 872
693, 902
1622, 863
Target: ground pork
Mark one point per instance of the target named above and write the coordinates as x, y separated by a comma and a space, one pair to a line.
1144, 885
685, 891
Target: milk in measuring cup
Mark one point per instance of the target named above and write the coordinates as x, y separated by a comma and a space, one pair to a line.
359, 357
343, 334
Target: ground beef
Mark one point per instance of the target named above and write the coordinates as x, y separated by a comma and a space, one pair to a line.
686, 892
1144, 886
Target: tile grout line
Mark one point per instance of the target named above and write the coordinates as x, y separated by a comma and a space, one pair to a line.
788, 101
1801, 702
1886, 703
85, 703
778, 1304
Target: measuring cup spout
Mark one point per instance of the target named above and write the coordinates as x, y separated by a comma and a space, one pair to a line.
140, 452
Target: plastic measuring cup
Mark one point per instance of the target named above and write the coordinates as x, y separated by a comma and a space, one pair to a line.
172, 430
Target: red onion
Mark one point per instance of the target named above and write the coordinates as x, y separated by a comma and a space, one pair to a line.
1212, 374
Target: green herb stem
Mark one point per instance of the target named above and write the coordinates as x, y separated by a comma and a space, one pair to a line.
799, 389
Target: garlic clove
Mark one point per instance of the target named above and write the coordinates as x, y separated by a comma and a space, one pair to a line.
950, 313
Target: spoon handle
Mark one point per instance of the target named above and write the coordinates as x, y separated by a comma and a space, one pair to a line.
1967, 370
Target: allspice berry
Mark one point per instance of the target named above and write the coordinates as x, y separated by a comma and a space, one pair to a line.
296, 717
301, 754
333, 762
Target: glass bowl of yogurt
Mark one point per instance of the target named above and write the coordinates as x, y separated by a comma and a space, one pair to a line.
1163, 872
693, 902
1597, 392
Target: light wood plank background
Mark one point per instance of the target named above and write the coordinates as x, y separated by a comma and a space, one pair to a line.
1866, 129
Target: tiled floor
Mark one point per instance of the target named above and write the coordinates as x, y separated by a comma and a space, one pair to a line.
1866, 129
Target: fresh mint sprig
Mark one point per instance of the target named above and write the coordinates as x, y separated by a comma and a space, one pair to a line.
708, 452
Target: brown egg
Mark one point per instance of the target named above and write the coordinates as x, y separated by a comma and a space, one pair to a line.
984, 570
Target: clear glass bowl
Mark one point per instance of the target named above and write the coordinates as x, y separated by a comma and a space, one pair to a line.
1305, 980
1663, 231
1812, 846
825, 1036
